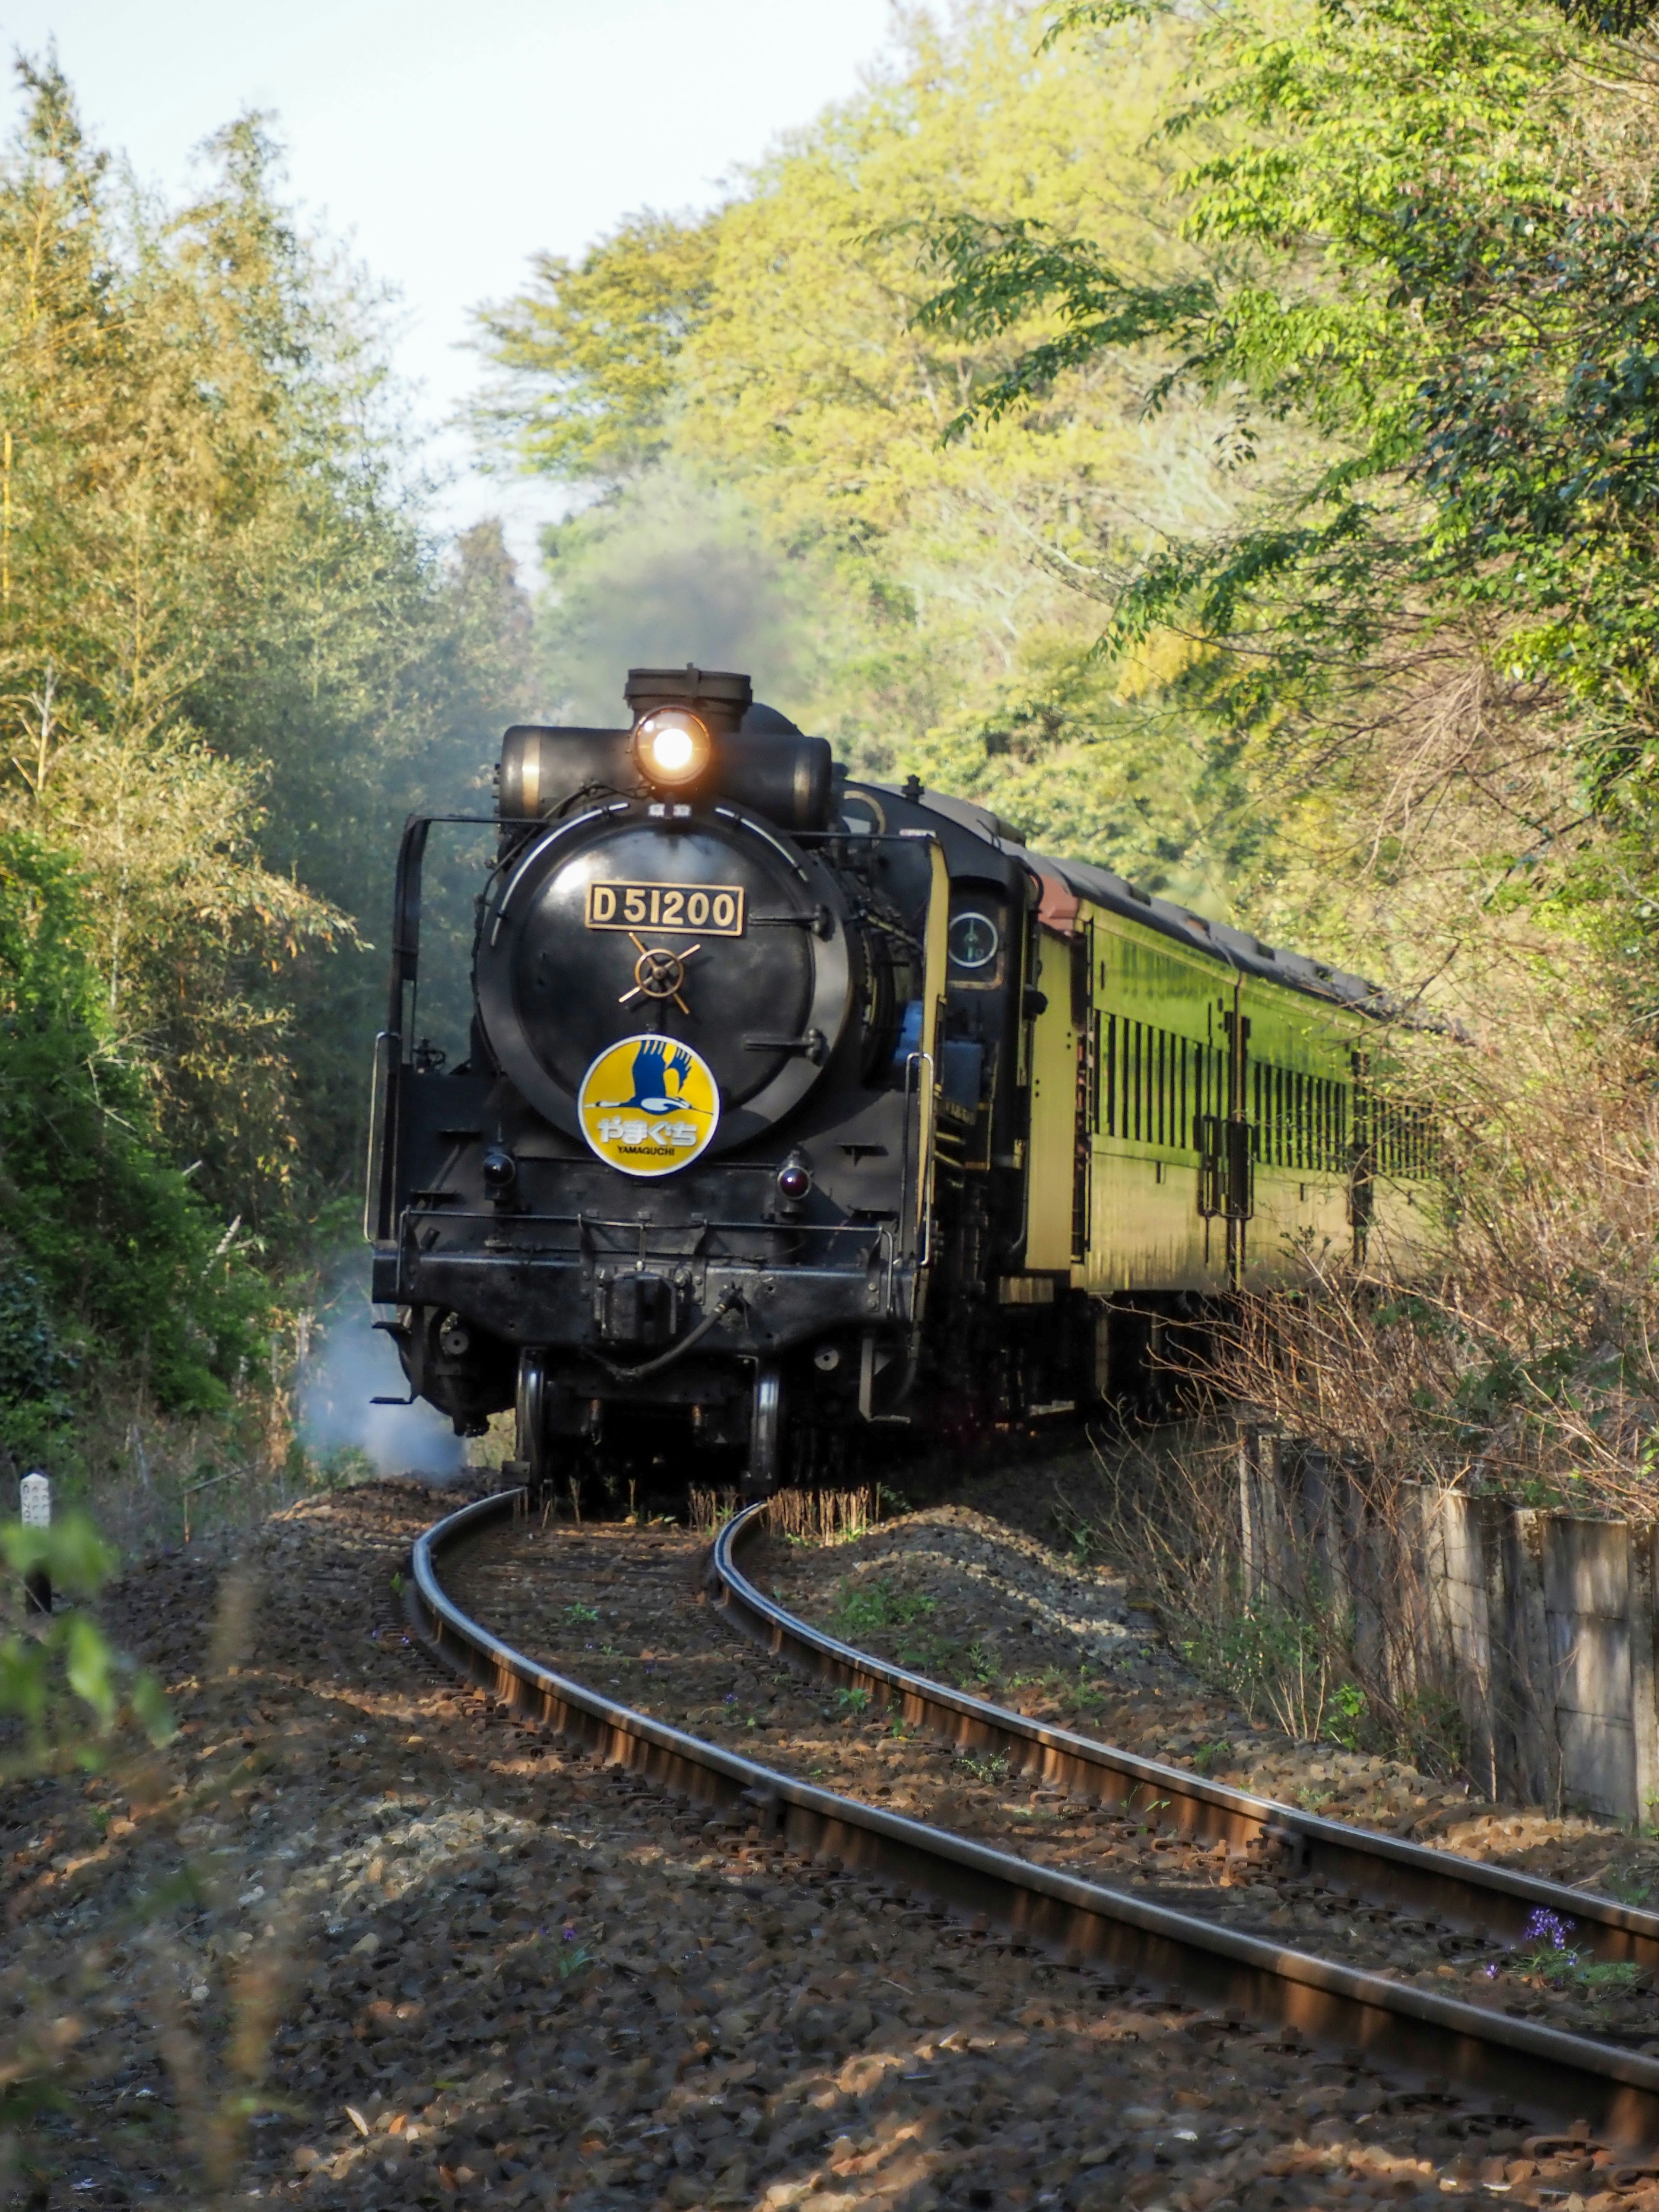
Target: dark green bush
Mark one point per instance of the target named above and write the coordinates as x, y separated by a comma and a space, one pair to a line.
105, 1250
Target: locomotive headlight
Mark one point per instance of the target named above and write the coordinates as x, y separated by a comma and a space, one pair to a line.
672, 746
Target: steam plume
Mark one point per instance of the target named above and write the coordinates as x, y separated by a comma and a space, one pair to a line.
350, 1364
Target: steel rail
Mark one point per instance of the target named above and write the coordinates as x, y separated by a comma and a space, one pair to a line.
1512, 2062
1379, 1868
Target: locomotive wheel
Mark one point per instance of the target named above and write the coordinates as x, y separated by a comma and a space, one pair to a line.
531, 1442
766, 1434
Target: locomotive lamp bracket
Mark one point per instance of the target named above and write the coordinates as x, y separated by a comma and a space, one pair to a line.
872, 1362
794, 1180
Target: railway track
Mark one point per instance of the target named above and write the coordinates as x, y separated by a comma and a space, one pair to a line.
1128, 1936
1354, 1865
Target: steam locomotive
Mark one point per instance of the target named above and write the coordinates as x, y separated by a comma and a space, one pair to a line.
799, 1108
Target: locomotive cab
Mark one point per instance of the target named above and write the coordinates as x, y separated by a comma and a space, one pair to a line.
680, 1193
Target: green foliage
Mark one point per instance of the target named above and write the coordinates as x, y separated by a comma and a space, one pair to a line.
573, 1965
760, 409
64, 1685
1427, 250
116, 1242
230, 662
1346, 1715
1612, 19
344, 1468
990, 1767
597, 342
866, 1607
36, 1365
1551, 1959
229, 659
1269, 1659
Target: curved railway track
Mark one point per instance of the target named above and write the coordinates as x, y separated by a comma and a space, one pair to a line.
1127, 1938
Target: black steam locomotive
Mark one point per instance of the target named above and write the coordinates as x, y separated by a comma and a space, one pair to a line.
796, 1107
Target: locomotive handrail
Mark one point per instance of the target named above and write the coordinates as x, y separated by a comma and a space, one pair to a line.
749, 822
376, 1196
533, 852
924, 1159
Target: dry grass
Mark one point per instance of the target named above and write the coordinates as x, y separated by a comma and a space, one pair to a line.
1444, 847
710, 1509
1295, 1586
807, 1517
824, 1516
1524, 1363
1520, 1366
152, 1479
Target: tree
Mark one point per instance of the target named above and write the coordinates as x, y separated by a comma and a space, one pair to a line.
123, 1257
588, 351
751, 397
1428, 247
231, 659
228, 655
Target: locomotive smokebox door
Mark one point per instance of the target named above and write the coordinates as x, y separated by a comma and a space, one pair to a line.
702, 930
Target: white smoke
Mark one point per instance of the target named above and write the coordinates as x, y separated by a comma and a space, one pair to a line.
670, 572
348, 1365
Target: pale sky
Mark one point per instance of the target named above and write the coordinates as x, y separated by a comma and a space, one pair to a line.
447, 144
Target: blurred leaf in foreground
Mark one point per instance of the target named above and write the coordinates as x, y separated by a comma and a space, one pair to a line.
70, 1692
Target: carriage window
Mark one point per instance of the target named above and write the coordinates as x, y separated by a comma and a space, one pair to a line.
1152, 1085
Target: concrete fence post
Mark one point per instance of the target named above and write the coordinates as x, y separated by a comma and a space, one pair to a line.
1543, 1626
34, 1506
1536, 1729
1587, 1597
1643, 1709
1254, 1510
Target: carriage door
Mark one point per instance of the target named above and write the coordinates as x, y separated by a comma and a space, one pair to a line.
1241, 1165
1226, 1181
1086, 1023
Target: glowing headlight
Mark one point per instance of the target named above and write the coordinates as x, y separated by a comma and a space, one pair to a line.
672, 747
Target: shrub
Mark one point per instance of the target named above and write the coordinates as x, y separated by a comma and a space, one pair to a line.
105, 1248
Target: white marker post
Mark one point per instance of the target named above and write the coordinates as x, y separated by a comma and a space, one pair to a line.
34, 1493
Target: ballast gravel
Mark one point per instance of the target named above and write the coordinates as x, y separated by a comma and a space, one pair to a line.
354, 1941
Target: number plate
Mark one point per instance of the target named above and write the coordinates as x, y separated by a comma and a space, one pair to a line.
711, 909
